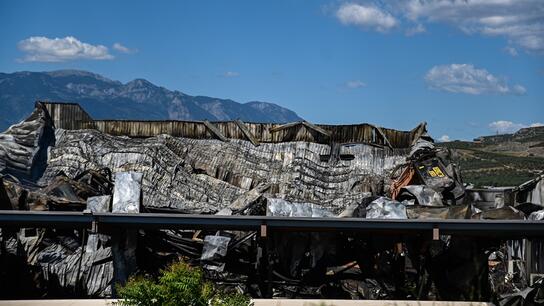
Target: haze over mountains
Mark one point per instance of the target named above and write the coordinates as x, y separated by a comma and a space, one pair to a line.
107, 99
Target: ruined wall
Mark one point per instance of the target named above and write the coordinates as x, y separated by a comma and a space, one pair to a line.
204, 176
23, 146
72, 117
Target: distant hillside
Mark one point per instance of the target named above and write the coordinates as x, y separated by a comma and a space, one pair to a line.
107, 99
501, 160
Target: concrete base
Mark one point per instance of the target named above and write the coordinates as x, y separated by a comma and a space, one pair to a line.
291, 302
260, 302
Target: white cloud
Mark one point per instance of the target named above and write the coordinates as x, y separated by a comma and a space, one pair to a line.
504, 126
368, 17
511, 50
521, 22
230, 74
518, 90
121, 48
355, 84
444, 138
419, 28
43, 49
465, 78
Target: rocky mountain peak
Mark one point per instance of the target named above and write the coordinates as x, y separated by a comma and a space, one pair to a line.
138, 99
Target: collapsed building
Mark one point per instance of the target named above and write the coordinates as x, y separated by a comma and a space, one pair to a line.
60, 159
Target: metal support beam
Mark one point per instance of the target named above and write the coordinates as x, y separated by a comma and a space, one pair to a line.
306, 124
316, 128
284, 126
247, 133
381, 132
215, 131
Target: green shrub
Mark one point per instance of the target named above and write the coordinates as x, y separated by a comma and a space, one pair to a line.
179, 284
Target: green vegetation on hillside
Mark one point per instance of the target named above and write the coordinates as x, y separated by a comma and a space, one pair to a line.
497, 177
481, 167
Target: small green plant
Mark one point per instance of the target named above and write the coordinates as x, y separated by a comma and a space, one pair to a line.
179, 284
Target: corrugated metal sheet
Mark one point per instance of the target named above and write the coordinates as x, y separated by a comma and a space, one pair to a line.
71, 116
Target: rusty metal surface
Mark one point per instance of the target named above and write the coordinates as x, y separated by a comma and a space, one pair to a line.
71, 116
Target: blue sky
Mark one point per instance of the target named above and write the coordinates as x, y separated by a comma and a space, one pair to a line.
468, 68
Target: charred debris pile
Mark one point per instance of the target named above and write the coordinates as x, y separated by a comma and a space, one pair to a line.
60, 159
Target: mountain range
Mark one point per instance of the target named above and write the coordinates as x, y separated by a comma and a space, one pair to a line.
108, 99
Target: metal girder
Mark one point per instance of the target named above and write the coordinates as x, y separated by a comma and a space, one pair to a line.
486, 228
247, 133
47, 219
301, 123
215, 131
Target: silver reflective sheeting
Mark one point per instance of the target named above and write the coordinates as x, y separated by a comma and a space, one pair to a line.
537, 215
425, 195
385, 208
126, 193
214, 249
99, 203
282, 208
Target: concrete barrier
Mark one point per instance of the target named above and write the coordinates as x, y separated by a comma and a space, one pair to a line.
258, 302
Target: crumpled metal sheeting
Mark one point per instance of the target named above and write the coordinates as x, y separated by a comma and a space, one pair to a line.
127, 192
29, 242
5, 201
99, 203
385, 208
16, 194
423, 144
368, 289
56, 258
425, 195
533, 295
537, 215
204, 176
91, 272
302, 256
214, 250
503, 213
532, 191
168, 181
537, 194
248, 198
436, 212
66, 267
23, 145
282, 208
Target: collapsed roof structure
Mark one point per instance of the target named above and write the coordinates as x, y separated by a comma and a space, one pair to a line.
60, 159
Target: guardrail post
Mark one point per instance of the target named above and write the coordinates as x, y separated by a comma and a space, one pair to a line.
123, 250
436, 233
263, 260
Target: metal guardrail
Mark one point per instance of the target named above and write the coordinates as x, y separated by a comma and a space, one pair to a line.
107, 221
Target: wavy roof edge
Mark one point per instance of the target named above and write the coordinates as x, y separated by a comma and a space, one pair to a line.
71, 116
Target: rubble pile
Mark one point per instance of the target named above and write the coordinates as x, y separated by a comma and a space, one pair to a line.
47, 168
